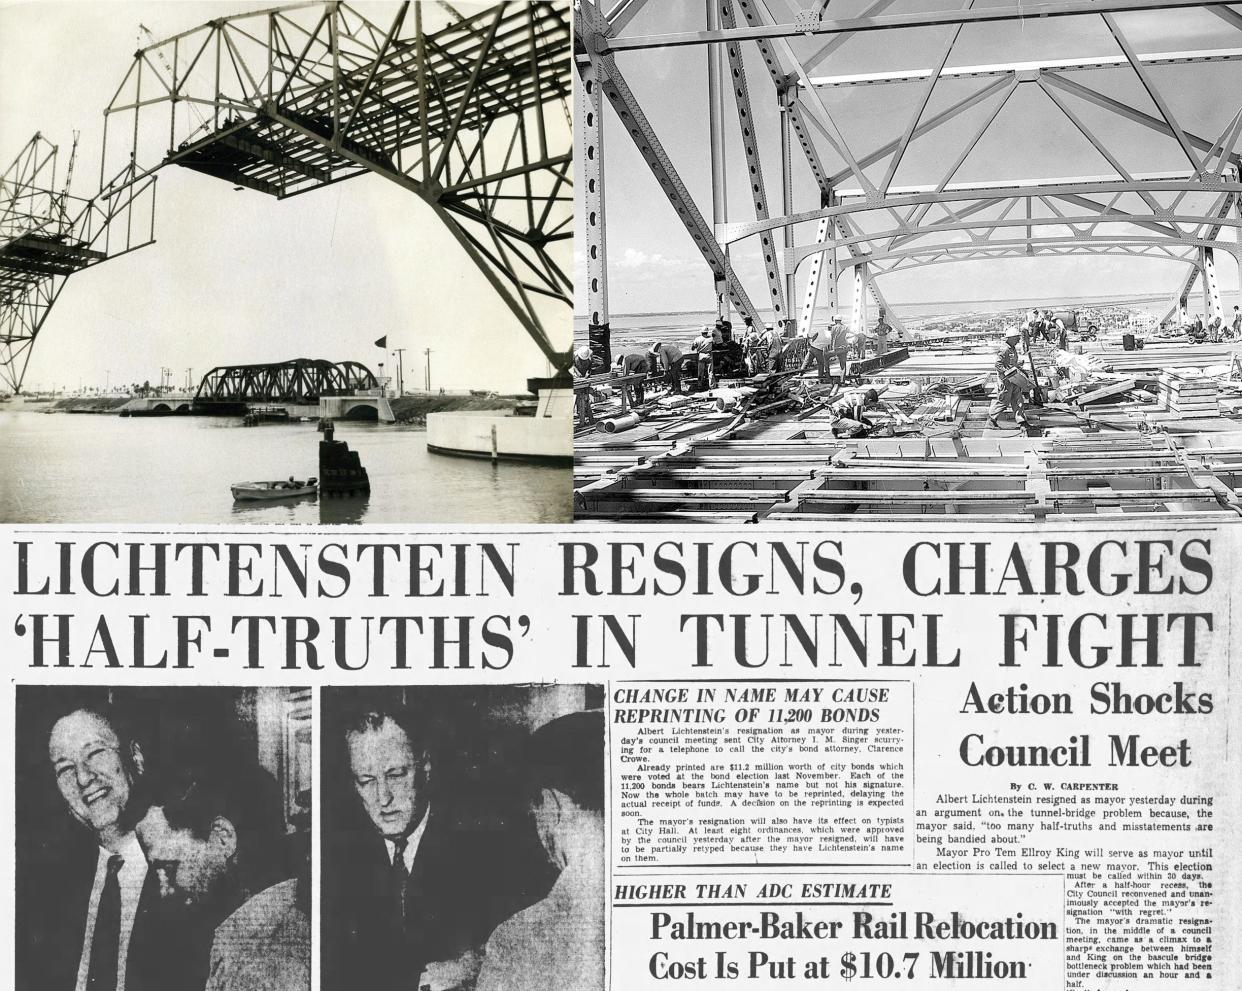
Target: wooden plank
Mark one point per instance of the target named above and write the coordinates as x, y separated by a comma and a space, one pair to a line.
1104, 392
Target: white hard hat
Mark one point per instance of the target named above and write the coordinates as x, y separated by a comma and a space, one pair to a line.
583, 352
1012, 332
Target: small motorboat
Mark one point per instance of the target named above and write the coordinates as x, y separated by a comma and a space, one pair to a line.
290, 488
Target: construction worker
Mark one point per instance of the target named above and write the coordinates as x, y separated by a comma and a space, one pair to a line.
774, 344
839, 345
1008, 393
819, 341
756, 353
581, 369
882, 330
634, 363
1237, 322
858, 343
670, 356
1033, 323
583, 360
702, 347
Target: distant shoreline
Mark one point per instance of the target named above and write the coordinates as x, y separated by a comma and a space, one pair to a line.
1005, 303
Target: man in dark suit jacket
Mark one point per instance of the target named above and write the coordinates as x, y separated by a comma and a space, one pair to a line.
409, 893
90, 909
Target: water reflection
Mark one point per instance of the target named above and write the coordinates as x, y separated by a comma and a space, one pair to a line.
105, 469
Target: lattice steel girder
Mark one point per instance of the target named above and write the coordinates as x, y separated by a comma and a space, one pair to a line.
737, 231
803, 27
1101, 213
294, 98
1024, 246
984, 229
965, 253
795, 123
1106, 102
47, 235
588, 26
1229, 204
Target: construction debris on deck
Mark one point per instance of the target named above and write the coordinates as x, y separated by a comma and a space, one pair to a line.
1157, 430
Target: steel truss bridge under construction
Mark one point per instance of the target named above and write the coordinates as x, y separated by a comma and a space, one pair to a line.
906, 190
470, 114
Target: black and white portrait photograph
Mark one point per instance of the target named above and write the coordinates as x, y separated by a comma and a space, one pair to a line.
285, 262
463, 843
861, 260
163, 839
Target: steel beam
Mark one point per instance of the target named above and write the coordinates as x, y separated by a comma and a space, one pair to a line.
844, 207
1122, 109
858, 318
615, 88
802, 27
1212, 307
982, 71
754, 164
1019, 247
592, 225
1153, 91
793, 121
816, 275
717, 155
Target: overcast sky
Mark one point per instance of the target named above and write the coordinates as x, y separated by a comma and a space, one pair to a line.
654, 266
238, 276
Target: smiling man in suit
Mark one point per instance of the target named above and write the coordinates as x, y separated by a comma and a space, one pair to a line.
92, 919
410, 893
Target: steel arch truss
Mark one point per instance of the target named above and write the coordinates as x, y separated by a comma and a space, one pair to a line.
923, 193
469, 113
46, 235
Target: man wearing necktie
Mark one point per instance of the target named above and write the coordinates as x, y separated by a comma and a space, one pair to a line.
409, 896
96, 924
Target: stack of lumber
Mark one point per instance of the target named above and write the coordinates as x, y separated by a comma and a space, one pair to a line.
1189, 395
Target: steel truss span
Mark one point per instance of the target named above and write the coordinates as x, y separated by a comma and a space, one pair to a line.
46, 235
301, 381
469, 113
907, 190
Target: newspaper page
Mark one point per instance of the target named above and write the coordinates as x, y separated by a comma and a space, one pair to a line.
790, 760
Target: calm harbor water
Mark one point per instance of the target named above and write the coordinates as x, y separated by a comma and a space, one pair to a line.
65, 468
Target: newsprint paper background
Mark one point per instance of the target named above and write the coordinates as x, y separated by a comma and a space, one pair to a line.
966, 756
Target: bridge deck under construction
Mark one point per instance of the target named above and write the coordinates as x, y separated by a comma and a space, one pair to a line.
292, 151
939, 456
26, 260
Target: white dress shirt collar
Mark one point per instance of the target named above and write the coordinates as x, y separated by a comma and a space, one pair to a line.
131, 878
411, 844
